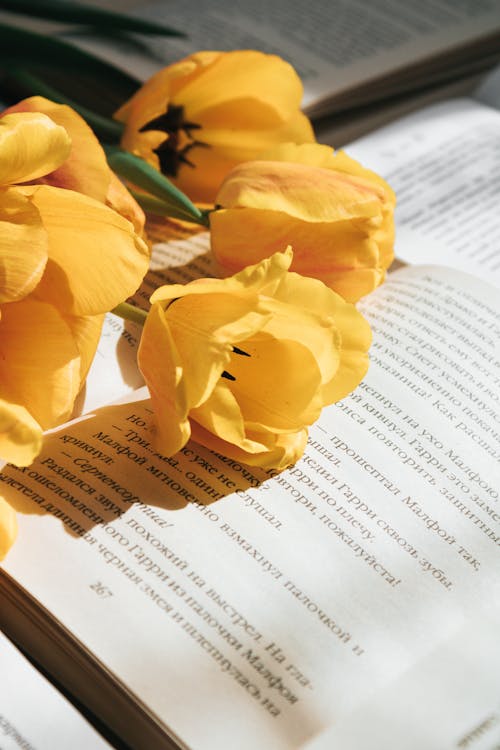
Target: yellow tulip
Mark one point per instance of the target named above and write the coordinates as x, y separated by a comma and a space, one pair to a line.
337, 215
66, 258
243, 365
198, 118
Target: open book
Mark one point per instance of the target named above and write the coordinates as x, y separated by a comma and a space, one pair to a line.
347, 52
195, 602
33, 715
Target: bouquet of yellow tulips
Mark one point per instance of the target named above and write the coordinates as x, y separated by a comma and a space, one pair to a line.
243, 364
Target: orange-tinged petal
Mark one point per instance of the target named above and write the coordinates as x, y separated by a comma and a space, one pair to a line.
95, 258
23, 243
85, 168
31, 146
303, 192
337, 216
320, 250
40, 363
20, 436
8, 527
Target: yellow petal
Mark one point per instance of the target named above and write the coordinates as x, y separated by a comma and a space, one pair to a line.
232, 79
23, 243
95, 258
284, 451
160, 364
238, 103
301, 191
86, 334
8, 527
20, 436
245, 235
250, 281
85, 168
205, 328
340, 327
221, 416
31, 145
40, 361
263, 394
119, 199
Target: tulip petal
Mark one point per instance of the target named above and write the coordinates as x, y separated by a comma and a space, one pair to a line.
160, 364
339, 326
119, 199
264, 395
31, 145
40, 361
86, 334
205, 329
233, 78
95, 258
24, 244
8, 527
85, 168
20, 436
330, 251
229, 107
282, 452
300, 191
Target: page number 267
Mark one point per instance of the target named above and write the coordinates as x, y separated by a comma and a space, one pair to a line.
103, 591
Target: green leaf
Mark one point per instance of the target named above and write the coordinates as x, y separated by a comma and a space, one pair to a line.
144, 176
61, 10
29, 85
26, 47
158, 207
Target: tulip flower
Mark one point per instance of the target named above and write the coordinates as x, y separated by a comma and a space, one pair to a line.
198, 118
66, 258
337, 215
244, 364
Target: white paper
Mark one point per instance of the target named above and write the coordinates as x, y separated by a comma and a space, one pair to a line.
33, 715
282, 601
449, 701
444, 164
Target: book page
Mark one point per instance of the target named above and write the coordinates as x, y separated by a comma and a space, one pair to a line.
335, 45
449, 701
281, 601
444, 164
488, 91
33, 715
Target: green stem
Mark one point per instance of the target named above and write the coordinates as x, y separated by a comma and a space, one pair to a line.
30, 85
130, 312
159, 208
141, 174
